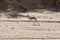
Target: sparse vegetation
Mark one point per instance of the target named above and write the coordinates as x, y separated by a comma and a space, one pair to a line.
24, 5
13, 15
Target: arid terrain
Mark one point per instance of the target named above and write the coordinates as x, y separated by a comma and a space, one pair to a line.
29, 20
47, 26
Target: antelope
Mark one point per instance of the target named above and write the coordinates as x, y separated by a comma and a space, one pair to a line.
32, 17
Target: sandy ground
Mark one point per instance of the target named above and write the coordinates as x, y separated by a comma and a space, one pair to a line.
47, 26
